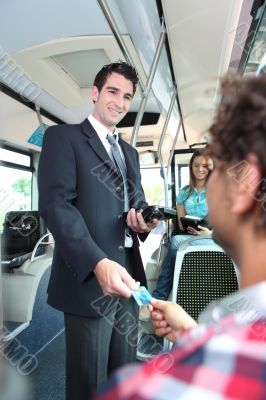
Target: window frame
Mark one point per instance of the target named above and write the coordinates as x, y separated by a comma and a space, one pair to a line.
173, 181
18, 166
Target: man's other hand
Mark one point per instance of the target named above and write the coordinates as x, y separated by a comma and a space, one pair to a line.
136, 222
114, 279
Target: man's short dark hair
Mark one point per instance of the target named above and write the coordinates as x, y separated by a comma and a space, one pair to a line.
240, 124
119, 67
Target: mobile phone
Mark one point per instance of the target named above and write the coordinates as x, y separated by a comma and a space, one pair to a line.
150, 212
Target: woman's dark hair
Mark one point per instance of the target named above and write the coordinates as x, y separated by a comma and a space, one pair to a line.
119, 67
192, 180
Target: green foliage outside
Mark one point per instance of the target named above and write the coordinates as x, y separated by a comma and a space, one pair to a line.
21, 186
154, 194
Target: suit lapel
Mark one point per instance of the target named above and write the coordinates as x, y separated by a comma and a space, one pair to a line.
97, 146
128, 159
132, 173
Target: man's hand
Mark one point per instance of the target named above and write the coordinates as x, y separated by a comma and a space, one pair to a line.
169, 319
136, 222
114, 279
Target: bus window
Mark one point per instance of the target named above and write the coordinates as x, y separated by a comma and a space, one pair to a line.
152, 183
183, 174
16, 182
179, 172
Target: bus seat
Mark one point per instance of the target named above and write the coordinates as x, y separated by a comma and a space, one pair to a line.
21, 232
203, 274
154, 264
38, 351
148, 344
20, 287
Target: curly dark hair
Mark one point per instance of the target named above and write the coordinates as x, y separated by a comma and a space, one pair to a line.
119, 67
240, 124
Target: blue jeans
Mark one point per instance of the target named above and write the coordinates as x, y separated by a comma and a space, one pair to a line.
165, 281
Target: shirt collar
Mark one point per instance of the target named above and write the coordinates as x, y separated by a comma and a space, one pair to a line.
101, 130
202, 191
246, 305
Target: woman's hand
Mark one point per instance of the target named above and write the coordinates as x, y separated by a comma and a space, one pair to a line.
201, 231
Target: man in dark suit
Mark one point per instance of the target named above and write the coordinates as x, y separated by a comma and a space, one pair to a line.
96, 260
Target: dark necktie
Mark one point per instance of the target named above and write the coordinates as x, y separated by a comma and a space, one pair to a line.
120, 165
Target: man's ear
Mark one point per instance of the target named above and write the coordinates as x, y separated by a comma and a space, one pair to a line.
94, 93
247, 180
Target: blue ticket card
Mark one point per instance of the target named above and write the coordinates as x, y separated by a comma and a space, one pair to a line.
142, 296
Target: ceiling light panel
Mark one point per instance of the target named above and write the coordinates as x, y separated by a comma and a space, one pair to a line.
82, 66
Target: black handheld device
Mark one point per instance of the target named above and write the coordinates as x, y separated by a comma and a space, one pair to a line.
192, 222
149, 213
152, 212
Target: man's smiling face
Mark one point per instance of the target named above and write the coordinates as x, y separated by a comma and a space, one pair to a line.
113, 101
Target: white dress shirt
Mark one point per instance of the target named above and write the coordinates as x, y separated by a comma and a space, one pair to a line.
102, 132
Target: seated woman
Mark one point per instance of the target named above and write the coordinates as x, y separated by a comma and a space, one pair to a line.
191, 200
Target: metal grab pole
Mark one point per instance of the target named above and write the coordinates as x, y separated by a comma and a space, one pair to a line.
119, 38
160, 145
173, 147
148, 86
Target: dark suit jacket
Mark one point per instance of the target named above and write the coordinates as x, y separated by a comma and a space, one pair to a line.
81, 201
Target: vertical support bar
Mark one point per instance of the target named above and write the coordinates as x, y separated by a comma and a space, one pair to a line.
160, 145
148, 86
173, 148
1, 303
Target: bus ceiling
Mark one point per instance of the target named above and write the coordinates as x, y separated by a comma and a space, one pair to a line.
178, 48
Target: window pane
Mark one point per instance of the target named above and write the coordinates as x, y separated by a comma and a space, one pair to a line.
15, 191
14, 157
181, 171
152, 183
184, 176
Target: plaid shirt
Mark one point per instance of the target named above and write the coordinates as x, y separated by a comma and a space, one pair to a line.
225, 358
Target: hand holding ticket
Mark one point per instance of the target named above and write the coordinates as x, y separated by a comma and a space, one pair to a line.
142, 296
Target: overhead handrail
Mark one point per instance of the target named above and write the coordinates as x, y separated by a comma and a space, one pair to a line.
146, 92
119, 38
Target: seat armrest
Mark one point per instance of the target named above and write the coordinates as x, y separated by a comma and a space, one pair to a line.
41, 242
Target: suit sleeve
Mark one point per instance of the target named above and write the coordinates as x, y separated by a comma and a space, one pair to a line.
57, 182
